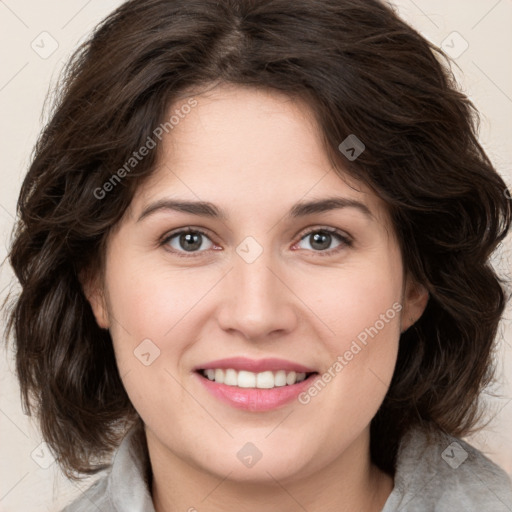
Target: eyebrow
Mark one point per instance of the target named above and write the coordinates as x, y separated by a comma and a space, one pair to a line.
207, 209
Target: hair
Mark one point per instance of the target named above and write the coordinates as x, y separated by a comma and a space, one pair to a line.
361, 70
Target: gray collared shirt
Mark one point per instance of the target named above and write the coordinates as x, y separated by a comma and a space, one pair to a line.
436, 473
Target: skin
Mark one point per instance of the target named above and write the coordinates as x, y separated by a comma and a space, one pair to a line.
255, 154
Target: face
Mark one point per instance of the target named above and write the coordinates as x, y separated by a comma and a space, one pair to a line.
275, 287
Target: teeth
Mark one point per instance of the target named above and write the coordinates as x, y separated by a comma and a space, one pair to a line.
245, 379
219, 375
230, 378
280, 378
290, 378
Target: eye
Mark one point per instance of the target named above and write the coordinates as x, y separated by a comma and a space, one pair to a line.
188, 241
320, 240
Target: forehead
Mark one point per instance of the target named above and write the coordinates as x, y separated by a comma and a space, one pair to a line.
247, 149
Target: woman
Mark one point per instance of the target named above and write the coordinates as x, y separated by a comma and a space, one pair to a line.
254, 252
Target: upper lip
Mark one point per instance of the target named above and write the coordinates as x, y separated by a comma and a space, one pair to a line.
255, 365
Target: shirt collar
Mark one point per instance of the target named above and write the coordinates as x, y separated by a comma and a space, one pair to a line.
129, 483
130, 479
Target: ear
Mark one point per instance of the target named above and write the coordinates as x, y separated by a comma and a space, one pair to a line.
95, 295
415, 301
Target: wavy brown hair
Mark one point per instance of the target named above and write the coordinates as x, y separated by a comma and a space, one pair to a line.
362, 71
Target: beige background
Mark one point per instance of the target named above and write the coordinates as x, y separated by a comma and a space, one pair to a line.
30, 30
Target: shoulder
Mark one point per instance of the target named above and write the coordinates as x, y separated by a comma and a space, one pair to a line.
94, 498
436, 471
125, 485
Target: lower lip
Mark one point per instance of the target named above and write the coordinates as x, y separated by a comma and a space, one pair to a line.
255, 399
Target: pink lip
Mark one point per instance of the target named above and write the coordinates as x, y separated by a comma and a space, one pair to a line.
252, 399
255, 366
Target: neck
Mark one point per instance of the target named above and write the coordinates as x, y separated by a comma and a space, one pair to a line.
350, 482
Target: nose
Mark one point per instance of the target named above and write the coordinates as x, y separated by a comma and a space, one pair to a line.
259, 302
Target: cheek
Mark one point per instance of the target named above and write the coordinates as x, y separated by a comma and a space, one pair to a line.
148, 300
361, 306
155, 310
149, 316
354, 300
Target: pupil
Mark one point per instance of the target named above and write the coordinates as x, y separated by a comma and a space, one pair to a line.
190, 241
322, 239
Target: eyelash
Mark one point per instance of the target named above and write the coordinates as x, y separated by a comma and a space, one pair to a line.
345, 240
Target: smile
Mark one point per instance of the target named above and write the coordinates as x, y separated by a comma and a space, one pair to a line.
255, 385
261, 380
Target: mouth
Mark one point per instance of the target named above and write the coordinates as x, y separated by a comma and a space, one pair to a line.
244, 379
253, 385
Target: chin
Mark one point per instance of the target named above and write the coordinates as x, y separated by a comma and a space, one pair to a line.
246, 463
263, 472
